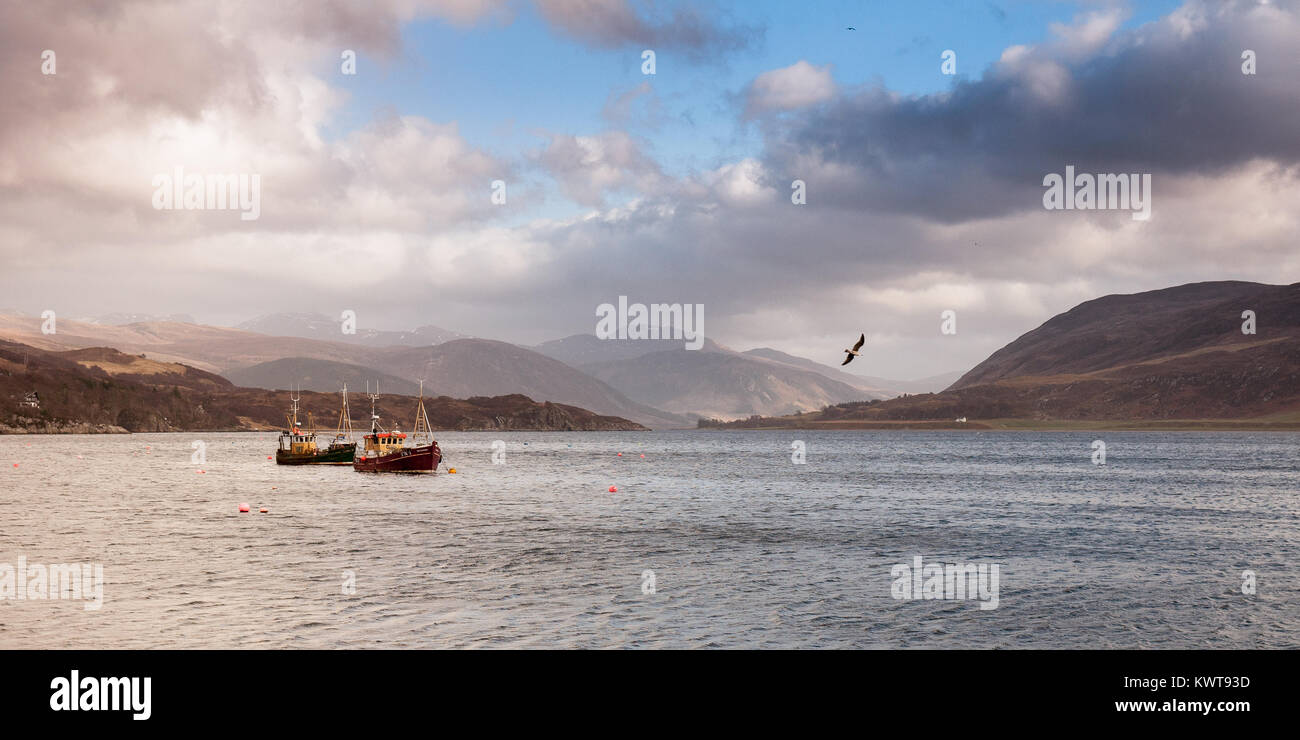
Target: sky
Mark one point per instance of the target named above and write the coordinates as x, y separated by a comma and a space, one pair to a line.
923, 189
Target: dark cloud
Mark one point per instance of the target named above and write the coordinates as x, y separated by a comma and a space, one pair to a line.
1167, 98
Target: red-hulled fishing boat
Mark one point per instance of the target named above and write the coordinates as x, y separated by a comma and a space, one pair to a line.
387, 451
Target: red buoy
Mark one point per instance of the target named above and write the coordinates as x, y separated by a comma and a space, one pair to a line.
262, 510
620, 454
243, 508
613, 489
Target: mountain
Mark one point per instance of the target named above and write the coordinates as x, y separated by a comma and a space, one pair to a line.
1172, 354
483, 367
140, 369
102, 390
212, 348
875, 387
713, 381
585, 349
460, 368
120, 319
464, 367
779, 394
71, 334
318, 375
1172, 325
723, 385
319, 326
930, 384
803, 363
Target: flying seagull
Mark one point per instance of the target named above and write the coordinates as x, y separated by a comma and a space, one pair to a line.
850, 28
854, 352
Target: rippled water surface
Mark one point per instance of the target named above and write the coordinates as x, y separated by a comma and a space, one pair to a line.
747, 549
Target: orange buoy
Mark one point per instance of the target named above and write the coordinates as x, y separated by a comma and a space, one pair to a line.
201, 471
451, 470
262, 510
613, 489
243, 508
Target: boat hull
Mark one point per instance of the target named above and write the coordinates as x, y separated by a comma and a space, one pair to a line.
341, 455
423, 459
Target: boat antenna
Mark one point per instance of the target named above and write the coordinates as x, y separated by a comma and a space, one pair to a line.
295, 398
374, 418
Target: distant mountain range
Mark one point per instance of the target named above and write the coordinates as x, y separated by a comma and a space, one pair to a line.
1177, 353
657, 383
1173, 354
102, 390
320, 326
719, 382
121, 319
877, 387
585, 349
460, 368
324, 376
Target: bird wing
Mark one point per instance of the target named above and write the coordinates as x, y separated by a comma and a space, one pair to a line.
861, 339
847, 360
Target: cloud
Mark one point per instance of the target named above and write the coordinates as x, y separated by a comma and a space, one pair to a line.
1167, 98
797, 86
590, 168
143, 88
615, 24
1087, 33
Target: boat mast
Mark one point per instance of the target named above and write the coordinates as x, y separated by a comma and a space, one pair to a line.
345, 417
421, 420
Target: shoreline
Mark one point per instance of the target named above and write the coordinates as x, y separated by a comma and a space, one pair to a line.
1028, 425
987, 425
10, 432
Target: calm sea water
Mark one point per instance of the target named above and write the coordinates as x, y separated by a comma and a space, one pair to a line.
747, 549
